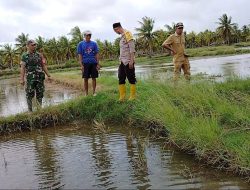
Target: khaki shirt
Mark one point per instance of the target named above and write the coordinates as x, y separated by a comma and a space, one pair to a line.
127, 46
177, 43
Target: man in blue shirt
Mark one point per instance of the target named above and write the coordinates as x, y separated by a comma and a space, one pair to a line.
88, 56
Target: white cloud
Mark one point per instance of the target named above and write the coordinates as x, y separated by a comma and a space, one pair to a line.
55, 18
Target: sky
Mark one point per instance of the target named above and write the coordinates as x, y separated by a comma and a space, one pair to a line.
55, 18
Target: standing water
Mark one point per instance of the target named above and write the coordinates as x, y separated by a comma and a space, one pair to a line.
13, 99
80, 157
223, 66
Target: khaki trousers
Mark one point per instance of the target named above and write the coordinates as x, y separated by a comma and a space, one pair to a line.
182, 65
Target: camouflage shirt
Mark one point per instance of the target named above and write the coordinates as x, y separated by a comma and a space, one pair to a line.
33, 66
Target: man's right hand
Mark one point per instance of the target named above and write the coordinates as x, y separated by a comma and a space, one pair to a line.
82, 68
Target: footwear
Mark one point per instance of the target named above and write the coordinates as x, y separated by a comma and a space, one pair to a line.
132, 92
122, 92
94, 94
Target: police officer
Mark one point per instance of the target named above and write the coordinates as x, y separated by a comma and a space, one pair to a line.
127, 62
176, 44
34, 67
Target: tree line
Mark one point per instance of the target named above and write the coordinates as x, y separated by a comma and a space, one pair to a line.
147, 40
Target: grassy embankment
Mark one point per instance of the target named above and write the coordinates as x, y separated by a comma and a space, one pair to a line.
157, 59
207, 119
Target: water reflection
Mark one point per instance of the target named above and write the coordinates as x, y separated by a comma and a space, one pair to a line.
223, 66
102, 160
138, 161
227, 66
13, 100
77, 158
46, 161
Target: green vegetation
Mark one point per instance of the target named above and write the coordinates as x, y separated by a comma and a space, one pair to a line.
210, 120
213, 51
242, 44
226, 28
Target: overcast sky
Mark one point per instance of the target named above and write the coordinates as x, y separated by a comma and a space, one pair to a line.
54, 18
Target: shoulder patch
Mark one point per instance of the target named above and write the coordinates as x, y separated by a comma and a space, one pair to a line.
128, 36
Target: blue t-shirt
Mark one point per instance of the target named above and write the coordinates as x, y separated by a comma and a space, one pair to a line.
88, 50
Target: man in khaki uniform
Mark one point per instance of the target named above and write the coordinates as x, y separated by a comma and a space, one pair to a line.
176, 44
127, 62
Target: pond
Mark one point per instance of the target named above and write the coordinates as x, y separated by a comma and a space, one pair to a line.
81, 156
13, 99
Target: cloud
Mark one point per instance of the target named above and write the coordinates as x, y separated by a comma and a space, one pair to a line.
25, 6
55, 18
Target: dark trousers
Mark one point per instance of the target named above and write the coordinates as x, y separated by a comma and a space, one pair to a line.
90, 71
125, 72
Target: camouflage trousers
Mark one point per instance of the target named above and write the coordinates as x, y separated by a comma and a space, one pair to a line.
32, 88
182, 65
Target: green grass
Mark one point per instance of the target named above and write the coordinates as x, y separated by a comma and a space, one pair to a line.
214, 51
208, 119
242, 44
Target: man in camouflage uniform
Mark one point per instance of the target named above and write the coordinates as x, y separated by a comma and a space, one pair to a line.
33, 65
127, 62
176, 44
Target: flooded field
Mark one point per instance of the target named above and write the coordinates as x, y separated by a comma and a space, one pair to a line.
82, 157
221, 67
13, 99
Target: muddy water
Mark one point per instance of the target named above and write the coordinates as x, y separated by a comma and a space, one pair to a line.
76, 156
226, 66
13, 100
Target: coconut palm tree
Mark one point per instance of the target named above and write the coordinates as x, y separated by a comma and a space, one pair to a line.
66, 47
145, 32
107, 49
52, 49
245, 32
21, 42
208, 37
2, 66
40, 41
170, 29
161, 36
9, 55
190, 41
225, 28
76, 34
116, 47
199, 39
141, 48
100, 47
236, 35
